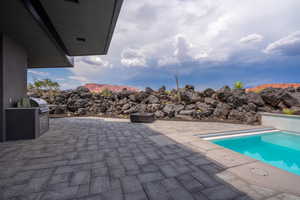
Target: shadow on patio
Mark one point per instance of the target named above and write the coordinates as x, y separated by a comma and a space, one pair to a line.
91, 158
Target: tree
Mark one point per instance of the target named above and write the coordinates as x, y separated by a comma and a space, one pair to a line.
44, 85
238, 85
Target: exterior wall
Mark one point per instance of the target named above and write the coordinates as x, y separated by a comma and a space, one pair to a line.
13, 76
2, 127
281, 122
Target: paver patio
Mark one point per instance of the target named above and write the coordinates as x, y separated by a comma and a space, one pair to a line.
94, 158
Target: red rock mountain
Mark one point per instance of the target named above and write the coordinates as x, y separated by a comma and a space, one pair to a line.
274, 85
93, 87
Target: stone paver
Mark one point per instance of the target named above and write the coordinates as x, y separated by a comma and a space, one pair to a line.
111, 159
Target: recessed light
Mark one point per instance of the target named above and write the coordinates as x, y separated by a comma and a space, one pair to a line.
73, 1
80, 39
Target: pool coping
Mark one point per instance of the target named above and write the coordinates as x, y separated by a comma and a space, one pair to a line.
279, 115
239, 135
246, 168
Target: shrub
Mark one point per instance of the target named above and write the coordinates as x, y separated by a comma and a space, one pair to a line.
238, 85
258, 90
168, 92
24, 103
288, 111
106, 92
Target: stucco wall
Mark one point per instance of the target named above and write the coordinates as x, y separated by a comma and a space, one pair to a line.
281, 122
13, 75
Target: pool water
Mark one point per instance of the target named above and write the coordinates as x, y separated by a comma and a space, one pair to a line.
280, 149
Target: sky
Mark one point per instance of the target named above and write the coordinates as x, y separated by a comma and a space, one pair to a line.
206, 43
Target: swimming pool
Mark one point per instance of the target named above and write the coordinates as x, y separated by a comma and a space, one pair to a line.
280, 149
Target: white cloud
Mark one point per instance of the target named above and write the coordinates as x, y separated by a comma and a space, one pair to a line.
95, 60
252, 38
133, 58
81, 79
289, 45
60, 79
167, 34
39, 73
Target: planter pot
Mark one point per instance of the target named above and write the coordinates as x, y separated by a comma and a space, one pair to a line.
142, 117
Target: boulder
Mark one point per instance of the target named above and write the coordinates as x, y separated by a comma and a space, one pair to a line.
190, 107
82, 89
124, 94
184, 117
133, 109
81, 111
208, 92
126, 106
237, 100
251, 118
132, 97
85, 95
236, 115
255, 98
153, 107
211, 101
289, 100
203, 110
60, 109
171, 109
149, 90
187, 112
222, 110
151, 100
290, 89
186, 96
223, 93
162, 89
141, 96
159, 114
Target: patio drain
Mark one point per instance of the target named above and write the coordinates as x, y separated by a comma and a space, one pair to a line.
259, 172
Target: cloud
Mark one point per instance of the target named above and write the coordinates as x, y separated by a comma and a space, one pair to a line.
156, 38
60, 79
133, 58
95, 60
79, 78
288, 46
39, 73
253, 38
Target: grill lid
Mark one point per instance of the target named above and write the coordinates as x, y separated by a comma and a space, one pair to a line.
36, 102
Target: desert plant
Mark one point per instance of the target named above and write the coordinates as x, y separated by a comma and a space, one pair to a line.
24, 103
106, 92
238, 85
258, 90
177, 87
168, 92
288, 111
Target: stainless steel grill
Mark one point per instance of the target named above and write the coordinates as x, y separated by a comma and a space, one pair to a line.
41, 103
43, 113
27, 123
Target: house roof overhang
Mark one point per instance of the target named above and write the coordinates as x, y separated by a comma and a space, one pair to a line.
52, 31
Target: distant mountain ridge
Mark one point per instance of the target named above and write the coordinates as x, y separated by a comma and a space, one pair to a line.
93, 87
273, 85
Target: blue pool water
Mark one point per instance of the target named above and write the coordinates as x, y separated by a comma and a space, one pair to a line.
280, 149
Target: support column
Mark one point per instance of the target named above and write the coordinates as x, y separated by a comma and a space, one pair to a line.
13, 76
